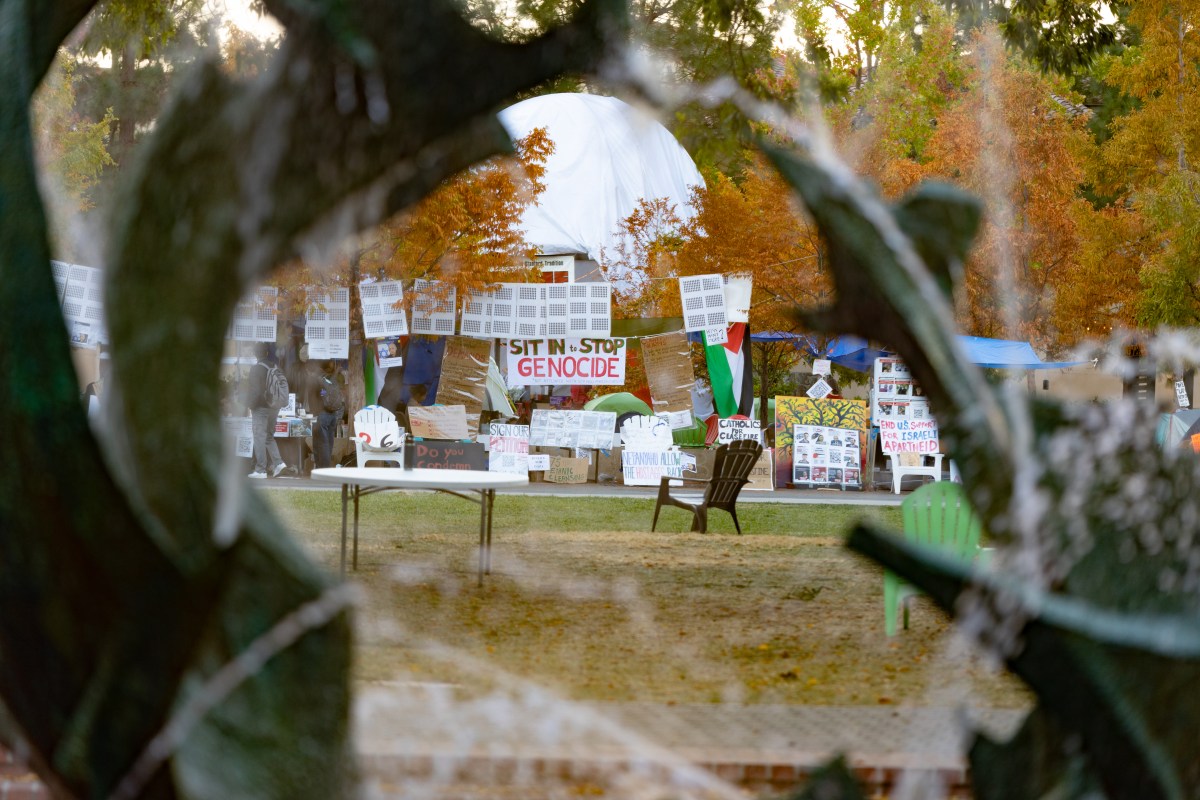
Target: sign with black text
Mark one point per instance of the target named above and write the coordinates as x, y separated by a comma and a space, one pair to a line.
731, 430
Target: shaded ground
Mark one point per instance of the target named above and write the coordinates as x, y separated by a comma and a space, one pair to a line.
584, 601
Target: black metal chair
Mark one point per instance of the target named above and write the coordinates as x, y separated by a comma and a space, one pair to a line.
731, 469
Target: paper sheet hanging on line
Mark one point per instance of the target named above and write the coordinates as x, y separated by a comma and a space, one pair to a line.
702, 298
255, 316
819, 390
579, 310
383, 314
822, 366
738, 290
1181, 395
327, 324
433, 308
476, 317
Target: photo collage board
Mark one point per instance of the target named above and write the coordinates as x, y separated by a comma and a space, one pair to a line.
826, 457
894, 392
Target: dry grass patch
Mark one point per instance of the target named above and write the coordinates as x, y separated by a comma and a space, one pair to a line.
615, 613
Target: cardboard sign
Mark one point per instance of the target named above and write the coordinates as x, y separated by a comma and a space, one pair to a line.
762, 476
668, 363
649, 467
464, 377
569, 362
731, 430
449, 455
508, 448
908, 435
567, 470
438, 422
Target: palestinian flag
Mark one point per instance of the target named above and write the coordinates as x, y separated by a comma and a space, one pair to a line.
731, 372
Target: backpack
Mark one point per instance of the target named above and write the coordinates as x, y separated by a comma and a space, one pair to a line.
276, 392
331, 394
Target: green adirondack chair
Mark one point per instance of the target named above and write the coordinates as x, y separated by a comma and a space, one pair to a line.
936, 515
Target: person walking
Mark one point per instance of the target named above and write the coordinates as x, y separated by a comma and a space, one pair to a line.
265, 393
328, 399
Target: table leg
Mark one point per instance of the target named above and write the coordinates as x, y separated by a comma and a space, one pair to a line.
345, 492
484, 527
357, 492
491, 497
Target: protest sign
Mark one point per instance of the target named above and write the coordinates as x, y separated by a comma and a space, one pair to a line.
1181, 395
539, 462
579, 429
819, 390
822, 366
731, 430
762, 476
908, 435
850, 414
649, 467
438, 422
825, 456
646, 433
508, 448
567, 470
668, 363
464, 377
570, 362
449, 455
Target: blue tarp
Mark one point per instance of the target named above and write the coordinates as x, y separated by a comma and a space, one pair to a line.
856, 353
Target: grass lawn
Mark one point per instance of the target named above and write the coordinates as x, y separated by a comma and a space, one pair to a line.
584, 599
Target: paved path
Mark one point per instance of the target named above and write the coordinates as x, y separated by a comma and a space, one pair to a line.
421, 735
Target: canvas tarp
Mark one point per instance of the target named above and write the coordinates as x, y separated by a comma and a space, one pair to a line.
607, 156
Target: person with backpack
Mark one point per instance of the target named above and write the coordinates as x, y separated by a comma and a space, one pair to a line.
327, 398
265, 392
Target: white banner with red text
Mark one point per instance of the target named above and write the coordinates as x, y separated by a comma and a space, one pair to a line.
569, 362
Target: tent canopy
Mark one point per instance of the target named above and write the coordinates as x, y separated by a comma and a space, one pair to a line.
607, 156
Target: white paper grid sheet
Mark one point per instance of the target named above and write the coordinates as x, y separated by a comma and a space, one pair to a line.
383, 314
530, 311
81, 292
504, 311
255, 317
327, 325
703, 301
477, 314
579, 310
433, 308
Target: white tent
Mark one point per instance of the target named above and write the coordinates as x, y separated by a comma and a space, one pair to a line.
607, 156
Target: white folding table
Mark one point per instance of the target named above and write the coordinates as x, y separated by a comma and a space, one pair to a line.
464, 483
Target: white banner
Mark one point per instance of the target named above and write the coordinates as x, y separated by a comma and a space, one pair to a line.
570, 362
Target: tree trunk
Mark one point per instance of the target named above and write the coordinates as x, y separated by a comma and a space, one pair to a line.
356, 392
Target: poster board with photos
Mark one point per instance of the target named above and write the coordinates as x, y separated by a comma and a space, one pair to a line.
827, 457
894, 393
790, 411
